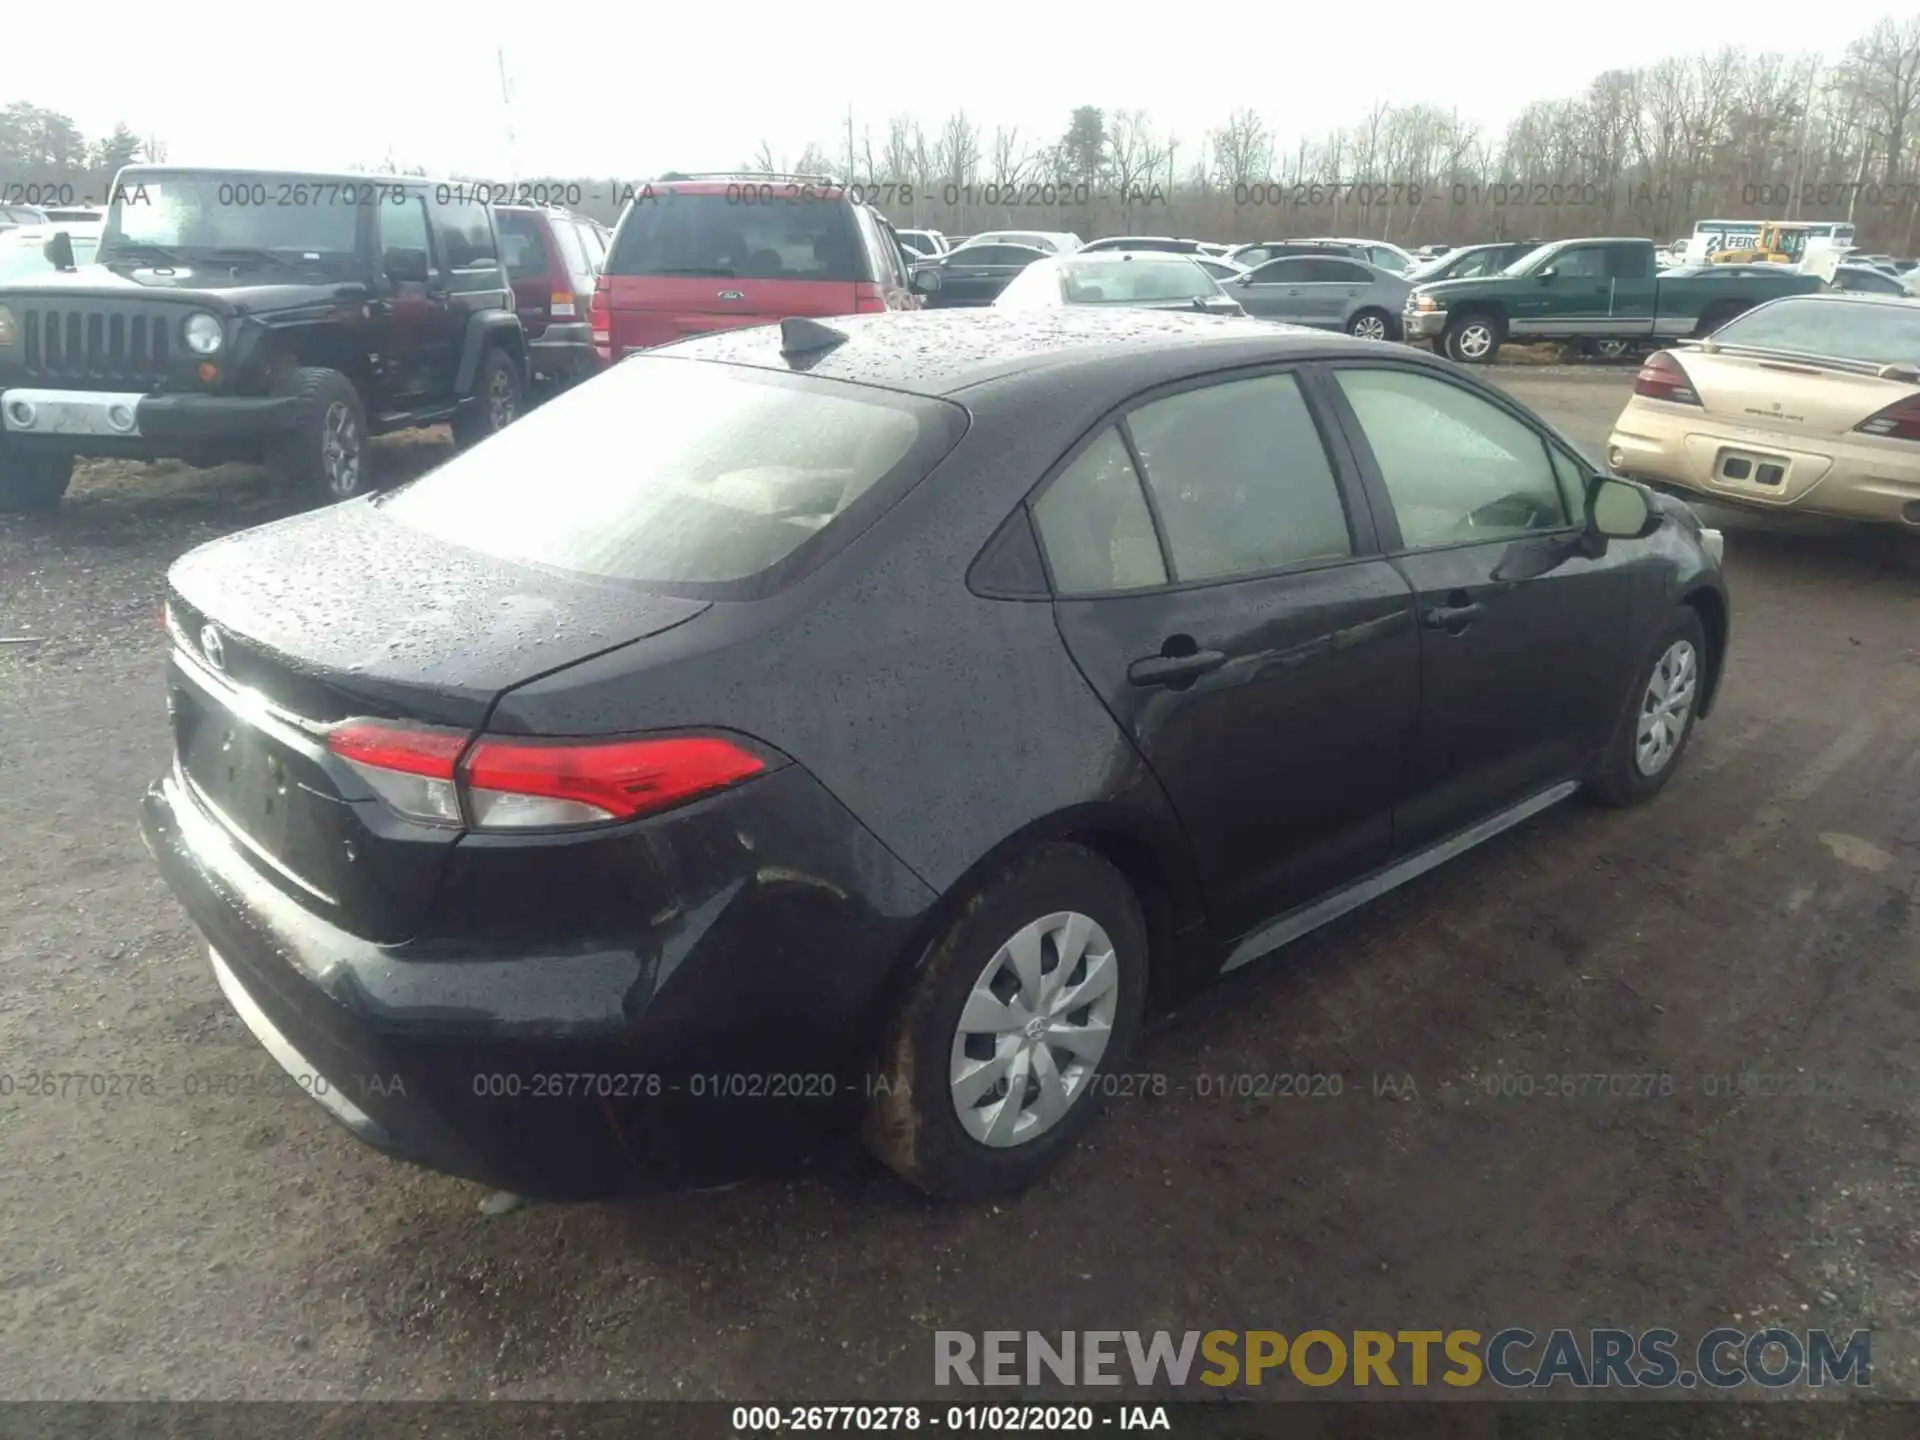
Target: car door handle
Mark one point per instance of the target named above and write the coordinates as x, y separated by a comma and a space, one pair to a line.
1454, 616
1174, 669
379, 307
1293, 293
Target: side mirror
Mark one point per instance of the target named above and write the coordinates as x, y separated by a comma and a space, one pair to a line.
1620, 510
59, 250
925, 281
1545, 275
406, 265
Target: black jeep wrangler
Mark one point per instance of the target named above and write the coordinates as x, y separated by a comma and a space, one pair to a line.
244, 315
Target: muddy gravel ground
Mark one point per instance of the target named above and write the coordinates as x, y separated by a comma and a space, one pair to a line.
1758, 917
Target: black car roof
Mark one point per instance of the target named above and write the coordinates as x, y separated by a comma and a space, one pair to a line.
939, 352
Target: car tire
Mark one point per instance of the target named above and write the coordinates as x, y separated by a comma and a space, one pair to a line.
1655, 726
1370, 324
948, 1024
1472, 339
327, 451
32, 484
498, 397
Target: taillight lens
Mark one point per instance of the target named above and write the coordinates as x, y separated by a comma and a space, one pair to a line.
1899, 421
1661, 378
514, 784
560, 304
868, 299
411, 769
600, 318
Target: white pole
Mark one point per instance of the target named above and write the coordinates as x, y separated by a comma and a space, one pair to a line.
1800, 163
506, 107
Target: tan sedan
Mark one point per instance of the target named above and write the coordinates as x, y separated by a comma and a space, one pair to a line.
1808, 404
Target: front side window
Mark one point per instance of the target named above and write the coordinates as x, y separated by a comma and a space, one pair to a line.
1582, 262
403, 227
1095, 526
1241, 479
1458, 468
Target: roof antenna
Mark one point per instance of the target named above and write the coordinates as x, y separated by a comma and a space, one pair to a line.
799, 336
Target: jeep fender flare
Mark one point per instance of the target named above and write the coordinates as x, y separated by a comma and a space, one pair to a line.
484, 328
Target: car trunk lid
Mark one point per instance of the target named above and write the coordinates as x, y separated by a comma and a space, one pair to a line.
1787, 395
272, 646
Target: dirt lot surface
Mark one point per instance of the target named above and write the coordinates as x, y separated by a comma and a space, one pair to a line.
1760, 916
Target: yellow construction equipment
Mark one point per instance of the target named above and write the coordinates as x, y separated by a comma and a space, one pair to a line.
1780, 242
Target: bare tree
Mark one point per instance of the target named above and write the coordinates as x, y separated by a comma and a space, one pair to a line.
956, 157
1242, 149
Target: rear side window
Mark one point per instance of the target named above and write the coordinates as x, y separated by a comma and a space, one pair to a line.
1241, 479
717, 474
680, 234
1095, 525
576, 257
521, 246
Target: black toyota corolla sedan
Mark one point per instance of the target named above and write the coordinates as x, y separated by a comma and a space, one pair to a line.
865, 724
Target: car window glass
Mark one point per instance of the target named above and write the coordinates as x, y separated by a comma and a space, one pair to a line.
1572, 475
1386, 259
1848, 329
1241, 479
403, 226
995, 255
1630, 262
1282, 272
1457, 467
705, 234
1481, 262
1583, 262
1095, 526
521, 246
1338, 272
464, 233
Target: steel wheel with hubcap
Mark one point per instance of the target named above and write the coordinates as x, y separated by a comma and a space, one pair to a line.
1666, 708
1031, 991
1658, 716
1034, 1028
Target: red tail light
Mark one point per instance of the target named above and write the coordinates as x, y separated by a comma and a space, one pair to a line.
1899, 421
868, 299
512, 784
600, 318
1661, 378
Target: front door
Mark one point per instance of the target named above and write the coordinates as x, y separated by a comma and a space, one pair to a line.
1522, 639
1278, 290
1244, 632
1576, 298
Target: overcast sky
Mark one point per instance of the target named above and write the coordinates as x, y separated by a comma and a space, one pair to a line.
627, 91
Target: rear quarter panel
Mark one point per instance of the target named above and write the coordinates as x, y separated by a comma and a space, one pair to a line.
947, 723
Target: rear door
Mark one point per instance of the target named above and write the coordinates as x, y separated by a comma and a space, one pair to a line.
687, 262
1522, 639
1633, 302
1278, 290
1219, 586
1334, 289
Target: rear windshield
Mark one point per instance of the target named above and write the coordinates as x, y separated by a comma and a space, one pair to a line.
719, 235
520, 244
1846, 330
1093, 282
684, 474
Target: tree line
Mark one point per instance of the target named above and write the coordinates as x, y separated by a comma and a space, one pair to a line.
1643, 151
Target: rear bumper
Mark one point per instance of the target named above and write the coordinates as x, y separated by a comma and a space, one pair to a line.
563, 349
1845, 479
696, 1048
88, 422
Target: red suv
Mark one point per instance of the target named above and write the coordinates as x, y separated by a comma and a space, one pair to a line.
553, 258
715, 252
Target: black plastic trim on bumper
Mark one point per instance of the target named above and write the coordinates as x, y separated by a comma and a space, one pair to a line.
216, 417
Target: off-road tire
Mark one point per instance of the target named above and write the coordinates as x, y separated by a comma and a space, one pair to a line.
911, 1123
499, 397
32, 483
1618, 780
332, 418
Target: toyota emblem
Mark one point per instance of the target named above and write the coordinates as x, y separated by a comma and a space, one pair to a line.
213, 647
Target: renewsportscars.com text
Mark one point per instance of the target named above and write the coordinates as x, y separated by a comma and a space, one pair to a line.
1514, 1358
